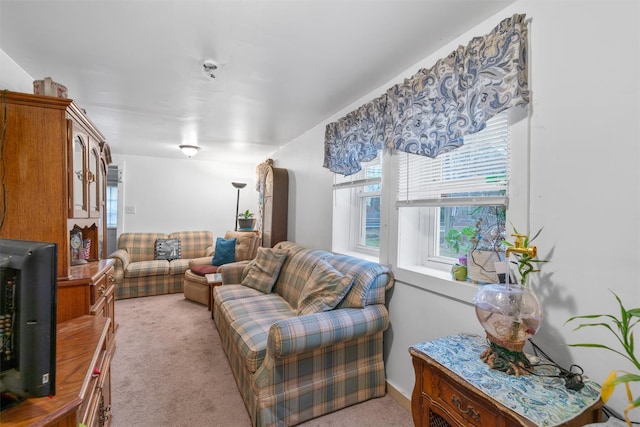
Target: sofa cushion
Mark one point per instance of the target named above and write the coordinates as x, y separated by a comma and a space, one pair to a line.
262, 303
251, 335
147, 268
225, 251
194, 244
140, 246
263, 271
246, 244
178, 266
325, 288
167, 249
201, 270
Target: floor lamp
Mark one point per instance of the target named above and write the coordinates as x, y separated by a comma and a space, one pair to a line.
238, 185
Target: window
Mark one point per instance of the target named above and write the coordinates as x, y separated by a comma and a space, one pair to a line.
112, 206
443, 202
356, 213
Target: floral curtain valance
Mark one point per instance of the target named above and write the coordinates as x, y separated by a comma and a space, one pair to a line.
430, 112
356, 137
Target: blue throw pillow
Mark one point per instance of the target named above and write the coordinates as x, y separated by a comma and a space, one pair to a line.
225, 251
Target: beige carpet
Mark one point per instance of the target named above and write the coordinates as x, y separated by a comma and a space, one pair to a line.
169, 370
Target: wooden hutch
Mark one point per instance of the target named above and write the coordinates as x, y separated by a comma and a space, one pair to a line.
275, 206
54, 161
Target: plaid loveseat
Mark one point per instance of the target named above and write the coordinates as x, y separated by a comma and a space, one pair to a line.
136, 271
290, 368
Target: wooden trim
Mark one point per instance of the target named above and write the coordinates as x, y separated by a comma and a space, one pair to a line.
396, 395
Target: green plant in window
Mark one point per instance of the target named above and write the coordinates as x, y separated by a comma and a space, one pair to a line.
246, 215
461, 240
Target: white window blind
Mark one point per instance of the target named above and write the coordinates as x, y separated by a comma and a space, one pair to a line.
370, 174
476, 173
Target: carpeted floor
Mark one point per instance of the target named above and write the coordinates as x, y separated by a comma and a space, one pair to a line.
169, 370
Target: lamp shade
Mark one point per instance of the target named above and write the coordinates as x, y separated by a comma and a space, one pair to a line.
189, 150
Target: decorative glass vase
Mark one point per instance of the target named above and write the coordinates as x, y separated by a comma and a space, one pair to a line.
510, 314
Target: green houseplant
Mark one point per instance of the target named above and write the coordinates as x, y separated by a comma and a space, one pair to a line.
480, 244
525, 258
246, 220
621, 328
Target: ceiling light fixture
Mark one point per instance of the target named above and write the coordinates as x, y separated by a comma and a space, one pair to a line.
189, 150
208, 67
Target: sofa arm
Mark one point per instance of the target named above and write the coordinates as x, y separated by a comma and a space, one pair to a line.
205, 260
232, 273
122, 262
305, 333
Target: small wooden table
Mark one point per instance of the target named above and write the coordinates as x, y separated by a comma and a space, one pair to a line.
213, 279
455, 388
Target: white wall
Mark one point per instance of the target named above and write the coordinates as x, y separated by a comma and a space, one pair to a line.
12, 76
584, 141
179, 195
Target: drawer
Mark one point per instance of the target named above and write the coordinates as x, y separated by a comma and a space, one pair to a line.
98, 289
89, 400
466, 409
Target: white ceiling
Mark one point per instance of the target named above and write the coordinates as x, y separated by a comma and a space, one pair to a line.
284, 66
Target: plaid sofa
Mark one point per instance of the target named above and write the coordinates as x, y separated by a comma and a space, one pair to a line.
292, 368
136, 271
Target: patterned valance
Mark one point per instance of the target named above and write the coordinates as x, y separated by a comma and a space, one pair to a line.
356, 138
430, 112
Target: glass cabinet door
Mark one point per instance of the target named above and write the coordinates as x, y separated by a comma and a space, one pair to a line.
93, 179
78, 171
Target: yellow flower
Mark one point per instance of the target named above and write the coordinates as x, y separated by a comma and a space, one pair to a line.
608, 387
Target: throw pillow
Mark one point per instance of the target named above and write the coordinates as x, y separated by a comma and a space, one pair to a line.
225, 251
168, 249
202, 270
324, 289
263, 271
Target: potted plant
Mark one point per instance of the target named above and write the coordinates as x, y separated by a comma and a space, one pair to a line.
246, 221
487, 243
621, 328
460, 240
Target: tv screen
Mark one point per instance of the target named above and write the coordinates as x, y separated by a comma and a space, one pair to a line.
28, 285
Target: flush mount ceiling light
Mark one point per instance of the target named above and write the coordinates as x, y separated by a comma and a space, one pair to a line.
189, 150
208, 67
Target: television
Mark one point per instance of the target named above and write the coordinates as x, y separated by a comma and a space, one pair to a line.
28, 285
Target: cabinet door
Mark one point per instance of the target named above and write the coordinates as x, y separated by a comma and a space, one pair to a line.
93, 180
77, 174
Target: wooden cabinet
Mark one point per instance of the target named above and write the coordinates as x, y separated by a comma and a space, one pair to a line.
53, 174
55, 162
275, 206
442, 398
83, 379
88, 290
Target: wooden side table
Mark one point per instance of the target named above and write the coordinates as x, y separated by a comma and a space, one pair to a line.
213, 279
454, 387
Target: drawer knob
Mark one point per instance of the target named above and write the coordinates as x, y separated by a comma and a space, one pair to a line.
96, 373
469, 411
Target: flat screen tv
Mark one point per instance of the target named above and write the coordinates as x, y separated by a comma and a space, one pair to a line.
28, 284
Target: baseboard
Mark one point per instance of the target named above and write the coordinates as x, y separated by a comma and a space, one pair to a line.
399, 397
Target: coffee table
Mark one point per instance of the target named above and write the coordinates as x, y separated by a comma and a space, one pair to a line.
213, 279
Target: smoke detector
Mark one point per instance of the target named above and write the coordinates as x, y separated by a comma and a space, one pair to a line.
208, 67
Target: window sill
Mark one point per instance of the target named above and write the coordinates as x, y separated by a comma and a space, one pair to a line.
436, 281
361, 255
